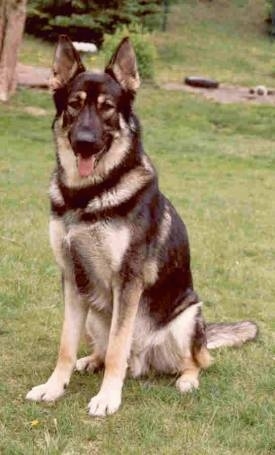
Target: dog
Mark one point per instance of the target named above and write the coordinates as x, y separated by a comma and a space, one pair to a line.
121, 247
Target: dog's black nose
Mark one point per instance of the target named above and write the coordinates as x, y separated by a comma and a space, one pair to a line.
85, 136
85, 142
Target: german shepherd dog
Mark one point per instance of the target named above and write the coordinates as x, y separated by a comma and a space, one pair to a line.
121, 246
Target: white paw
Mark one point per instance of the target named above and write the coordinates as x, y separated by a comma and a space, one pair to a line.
50, 391
104, 403
86, 364
187, 384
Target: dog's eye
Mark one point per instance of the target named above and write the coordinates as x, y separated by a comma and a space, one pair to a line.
107, 105
74, 104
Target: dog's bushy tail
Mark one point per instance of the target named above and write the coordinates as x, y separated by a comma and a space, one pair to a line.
234, 334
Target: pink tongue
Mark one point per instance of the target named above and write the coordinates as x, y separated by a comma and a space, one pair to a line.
85, 165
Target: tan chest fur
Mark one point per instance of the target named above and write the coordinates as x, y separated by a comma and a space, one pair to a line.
102, 246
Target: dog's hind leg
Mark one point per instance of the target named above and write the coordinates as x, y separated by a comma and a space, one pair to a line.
189, 379
198, 357
191, 367
183, 349
97, 335
89, 363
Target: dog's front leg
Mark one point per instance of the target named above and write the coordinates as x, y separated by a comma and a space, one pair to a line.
74, 318
125, 304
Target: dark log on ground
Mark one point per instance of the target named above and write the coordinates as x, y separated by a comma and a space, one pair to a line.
197, 81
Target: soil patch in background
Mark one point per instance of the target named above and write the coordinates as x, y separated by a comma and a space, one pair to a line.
225, 94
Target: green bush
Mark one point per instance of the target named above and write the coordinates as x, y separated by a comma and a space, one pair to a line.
144, 48
88, 20
270, 10
269, 6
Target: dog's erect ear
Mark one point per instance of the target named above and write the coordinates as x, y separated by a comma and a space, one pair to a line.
123, 66
66, 65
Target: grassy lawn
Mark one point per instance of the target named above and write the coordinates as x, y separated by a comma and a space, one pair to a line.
222, 39
216, 163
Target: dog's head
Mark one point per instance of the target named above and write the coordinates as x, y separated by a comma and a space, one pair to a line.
93, 107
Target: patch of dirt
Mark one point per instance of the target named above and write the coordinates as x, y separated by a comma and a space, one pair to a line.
32, 76
38, 77
225, 94
35, 76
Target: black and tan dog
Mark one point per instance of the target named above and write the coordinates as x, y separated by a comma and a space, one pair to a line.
121, 246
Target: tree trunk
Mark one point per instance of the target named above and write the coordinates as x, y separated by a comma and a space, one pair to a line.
12, 21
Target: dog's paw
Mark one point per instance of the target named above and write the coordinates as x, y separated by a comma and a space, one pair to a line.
104, 403
50, 391
187, 384
89, 364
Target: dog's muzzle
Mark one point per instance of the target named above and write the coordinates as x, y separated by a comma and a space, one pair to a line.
86, 146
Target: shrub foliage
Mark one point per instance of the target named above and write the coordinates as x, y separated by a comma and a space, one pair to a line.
144, 48
88, 20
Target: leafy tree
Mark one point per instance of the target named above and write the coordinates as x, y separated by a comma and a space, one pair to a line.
88, 20
270, 5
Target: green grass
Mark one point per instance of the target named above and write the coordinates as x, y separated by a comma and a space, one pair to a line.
216, 163
226, 40
36, 52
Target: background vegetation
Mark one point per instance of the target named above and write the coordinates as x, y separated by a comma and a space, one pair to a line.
144, 48
89, 20
216, 163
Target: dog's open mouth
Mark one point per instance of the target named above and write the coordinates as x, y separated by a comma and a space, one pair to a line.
85, 165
